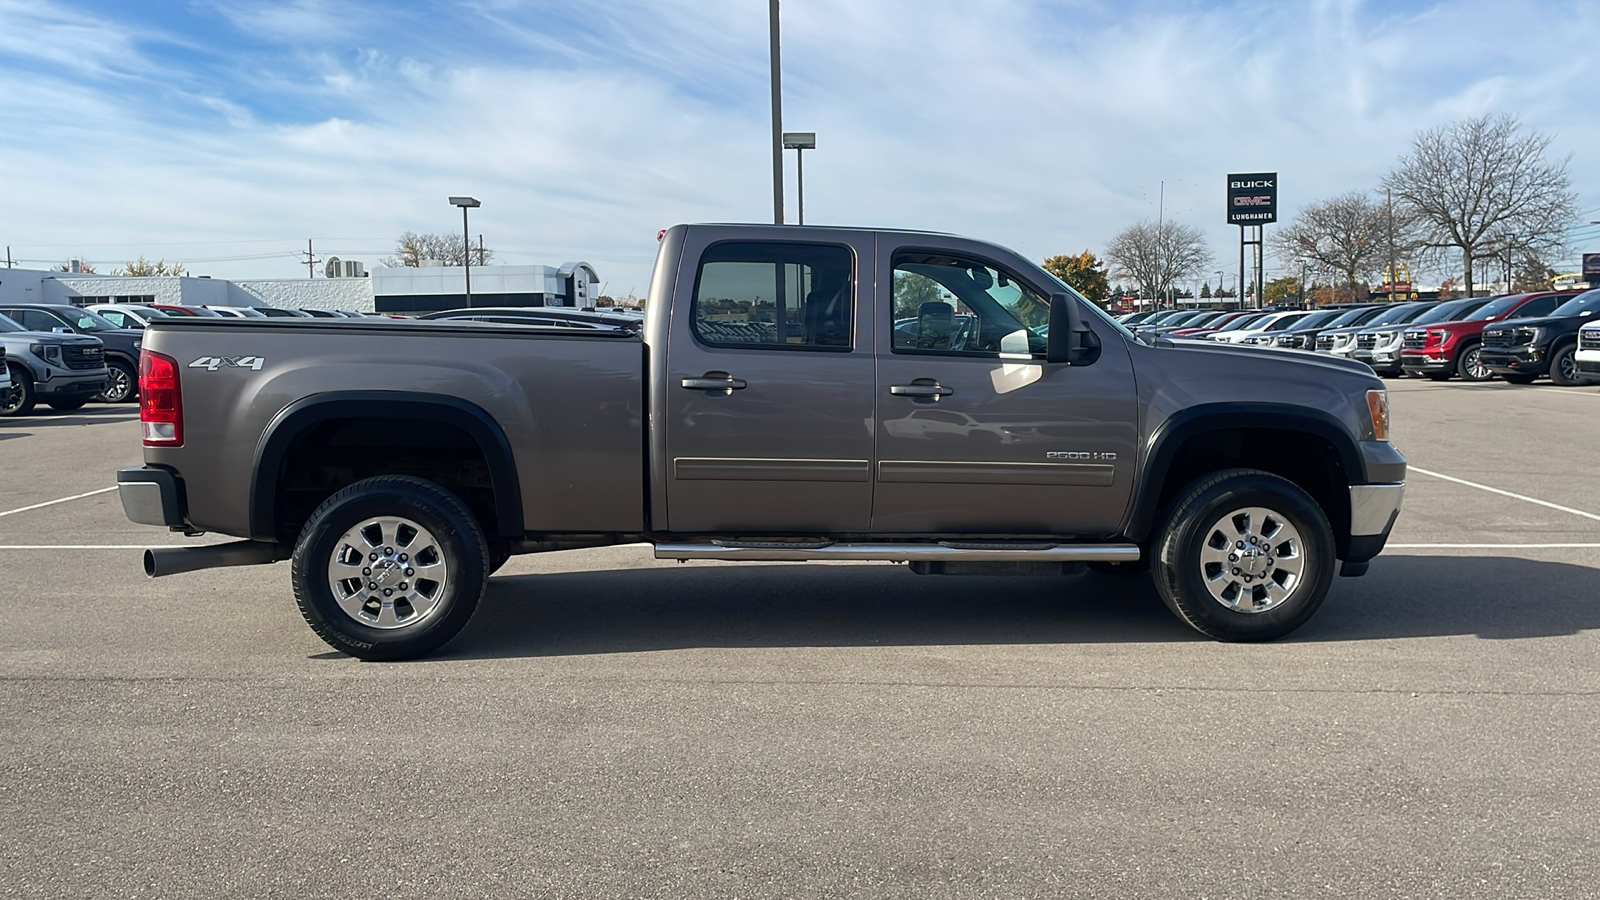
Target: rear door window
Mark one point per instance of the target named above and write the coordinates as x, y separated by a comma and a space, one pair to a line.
774, 295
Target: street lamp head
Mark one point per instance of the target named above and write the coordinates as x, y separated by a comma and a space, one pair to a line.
799, 140
465, 202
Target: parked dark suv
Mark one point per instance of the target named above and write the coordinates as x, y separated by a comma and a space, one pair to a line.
1523, 350
121, 344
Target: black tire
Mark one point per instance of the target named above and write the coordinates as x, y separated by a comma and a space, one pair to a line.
68, 405
21, 399
1564, 367
1468, 366
457, 541
124, 383
1519, 378
1197, 519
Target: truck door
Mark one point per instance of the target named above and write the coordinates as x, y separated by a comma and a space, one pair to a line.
768, 388
977, 433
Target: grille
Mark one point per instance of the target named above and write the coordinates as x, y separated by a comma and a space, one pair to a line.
1497, 339
1324, 342
1589, 339
1366, 341
81, 356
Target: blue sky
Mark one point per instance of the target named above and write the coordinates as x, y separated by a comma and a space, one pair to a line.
224, 133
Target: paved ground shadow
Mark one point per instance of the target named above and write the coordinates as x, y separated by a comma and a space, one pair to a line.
634, 610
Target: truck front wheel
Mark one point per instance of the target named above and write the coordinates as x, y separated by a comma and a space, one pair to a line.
390, 568
1244, 555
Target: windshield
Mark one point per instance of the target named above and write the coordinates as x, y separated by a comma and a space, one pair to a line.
1354, 317
1319, 319
6, 325
1243, 322
83, 320
1283, 322
1451, 311
1587, 302
1493, 309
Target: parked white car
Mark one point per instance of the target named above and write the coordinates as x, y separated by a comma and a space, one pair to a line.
1588, 356
1265, 325
126, 315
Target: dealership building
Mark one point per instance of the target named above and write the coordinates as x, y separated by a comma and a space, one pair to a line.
405, 290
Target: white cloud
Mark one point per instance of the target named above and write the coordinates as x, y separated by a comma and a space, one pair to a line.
589, 126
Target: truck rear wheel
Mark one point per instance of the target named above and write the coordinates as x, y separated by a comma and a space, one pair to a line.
390, 568
1244, 555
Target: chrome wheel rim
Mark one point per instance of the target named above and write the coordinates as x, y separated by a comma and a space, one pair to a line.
1476, 370
1252, 560
1569, 367
121, 384
388, 572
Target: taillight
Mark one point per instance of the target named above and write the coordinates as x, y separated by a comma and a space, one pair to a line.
160, 400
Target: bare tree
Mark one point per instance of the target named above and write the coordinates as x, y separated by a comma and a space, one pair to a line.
1349, 234
1484, 185
1155, 257
411, 249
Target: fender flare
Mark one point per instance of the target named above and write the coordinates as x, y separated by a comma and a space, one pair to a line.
1197, 420
294, 419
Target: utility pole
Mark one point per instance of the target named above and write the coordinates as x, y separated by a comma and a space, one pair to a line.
1388, 202
1161, 211
8, 256
311, 261
480, 251
777, 119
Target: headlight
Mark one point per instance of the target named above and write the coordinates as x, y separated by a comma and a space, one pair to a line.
1528, 335
1436, 337
47, 352
1390, 337
1378, 409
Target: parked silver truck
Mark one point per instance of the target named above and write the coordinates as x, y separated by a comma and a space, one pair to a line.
797, 393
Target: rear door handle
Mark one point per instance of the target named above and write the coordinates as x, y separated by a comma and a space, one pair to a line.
921, 390
714, 381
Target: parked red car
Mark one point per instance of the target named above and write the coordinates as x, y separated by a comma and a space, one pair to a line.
1445, 349
1214, 324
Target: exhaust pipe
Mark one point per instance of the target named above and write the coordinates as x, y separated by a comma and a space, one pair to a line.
172, 560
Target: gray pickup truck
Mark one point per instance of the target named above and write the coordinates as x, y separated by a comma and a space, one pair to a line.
797, 393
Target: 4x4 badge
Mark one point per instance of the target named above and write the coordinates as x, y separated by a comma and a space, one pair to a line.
213, 363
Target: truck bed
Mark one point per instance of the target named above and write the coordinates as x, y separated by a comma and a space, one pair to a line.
570, 404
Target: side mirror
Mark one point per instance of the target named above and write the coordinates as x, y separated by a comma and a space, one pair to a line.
1065, 343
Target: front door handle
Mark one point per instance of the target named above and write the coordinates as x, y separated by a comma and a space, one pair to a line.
921, 389
714, 381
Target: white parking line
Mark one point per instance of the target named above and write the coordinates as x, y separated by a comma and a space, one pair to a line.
1491, 546
1495, 490
83, 546
12, 512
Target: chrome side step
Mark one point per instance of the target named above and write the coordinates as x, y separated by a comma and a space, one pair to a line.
948, 551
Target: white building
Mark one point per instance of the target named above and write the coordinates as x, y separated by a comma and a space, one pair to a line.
399, 290
413, 289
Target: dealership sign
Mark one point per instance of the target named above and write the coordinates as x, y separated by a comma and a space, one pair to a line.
1253, 198
1591, 267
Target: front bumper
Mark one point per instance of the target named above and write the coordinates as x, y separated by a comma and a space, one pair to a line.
1380, 359
73, 385
1510, 360
1373, 511
152, 496
1427, 365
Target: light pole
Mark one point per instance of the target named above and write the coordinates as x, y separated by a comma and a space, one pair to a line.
466, 203
777, 117
800, 142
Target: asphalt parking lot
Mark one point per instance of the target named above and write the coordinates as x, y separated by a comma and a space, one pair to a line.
614, 726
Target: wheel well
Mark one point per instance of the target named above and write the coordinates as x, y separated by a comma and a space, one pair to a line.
1310, 461
333, 454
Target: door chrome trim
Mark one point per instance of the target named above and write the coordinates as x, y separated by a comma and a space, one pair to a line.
905, 471
688, 468
904, 552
